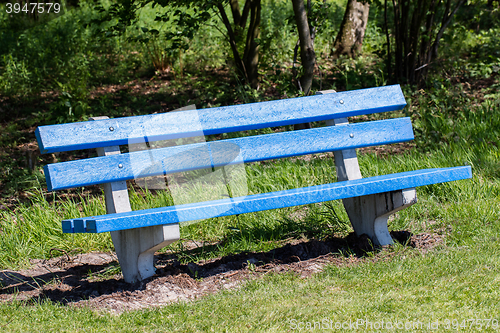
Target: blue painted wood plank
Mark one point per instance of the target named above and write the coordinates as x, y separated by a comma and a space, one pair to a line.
273, 200
79, 225
67, 226
121, 131
219, 153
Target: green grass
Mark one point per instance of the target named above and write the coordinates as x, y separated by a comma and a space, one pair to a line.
451, 284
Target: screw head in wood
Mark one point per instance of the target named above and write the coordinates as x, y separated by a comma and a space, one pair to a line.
341, 101
111, 128
351, 135
120, 165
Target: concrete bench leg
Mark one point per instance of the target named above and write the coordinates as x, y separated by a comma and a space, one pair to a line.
135, 248
369, 214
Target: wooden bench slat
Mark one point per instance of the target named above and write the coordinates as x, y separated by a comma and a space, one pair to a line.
225, 152
120, 131
266, 201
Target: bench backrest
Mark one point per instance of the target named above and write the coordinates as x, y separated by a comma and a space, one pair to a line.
174, 125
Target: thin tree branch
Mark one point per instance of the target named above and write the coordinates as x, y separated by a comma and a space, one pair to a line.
232, 41
389, 56
444, 25
244, 15
235, 9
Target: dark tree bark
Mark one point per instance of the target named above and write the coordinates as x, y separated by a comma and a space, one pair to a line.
490, 3
232, 39
307, 54
248, 64
388, 40
352, 30
418, 28
235, 9
251, 55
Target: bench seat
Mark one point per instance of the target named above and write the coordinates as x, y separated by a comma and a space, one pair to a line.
265, 201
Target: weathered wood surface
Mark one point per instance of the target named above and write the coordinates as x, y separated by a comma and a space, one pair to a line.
266, 201
214, 154
121, 131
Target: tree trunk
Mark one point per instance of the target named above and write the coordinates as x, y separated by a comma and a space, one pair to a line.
418, 28
352, 30
388, 40
251, 56
235, 9
240, 65
248, 65
307, 54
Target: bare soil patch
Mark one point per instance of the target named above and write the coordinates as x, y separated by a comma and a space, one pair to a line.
88, 279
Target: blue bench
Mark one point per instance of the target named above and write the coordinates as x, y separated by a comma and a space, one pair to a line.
138, 234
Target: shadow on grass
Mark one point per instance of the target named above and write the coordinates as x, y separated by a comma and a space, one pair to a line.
71, 281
